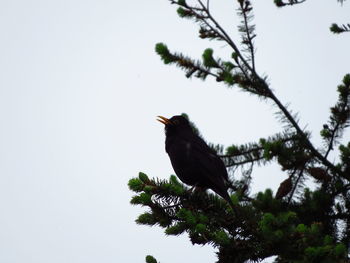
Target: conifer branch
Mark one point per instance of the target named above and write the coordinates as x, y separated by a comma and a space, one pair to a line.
247, 30
307, 142
296, 182
224, 35
244, 161
336, 29
189, 65
281, 3
256, 152
340, 116
266, 90
264, 224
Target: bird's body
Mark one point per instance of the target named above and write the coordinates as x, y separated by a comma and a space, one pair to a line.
194, 162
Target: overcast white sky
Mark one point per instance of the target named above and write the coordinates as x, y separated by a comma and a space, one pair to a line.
80, 88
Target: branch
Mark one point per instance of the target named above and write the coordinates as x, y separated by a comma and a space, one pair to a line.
244, 162
227, 38
280, 3
248, 30
309, 145
295, 183
189, 65
340, 115
271, 94
336, 29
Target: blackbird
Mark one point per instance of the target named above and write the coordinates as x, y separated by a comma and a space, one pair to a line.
193, 161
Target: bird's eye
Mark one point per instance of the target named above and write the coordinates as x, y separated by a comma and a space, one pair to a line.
176, 122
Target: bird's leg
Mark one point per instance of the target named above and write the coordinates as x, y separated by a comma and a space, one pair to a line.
192, 188
196, 188
200, 189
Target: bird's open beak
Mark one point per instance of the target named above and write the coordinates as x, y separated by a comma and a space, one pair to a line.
163, 120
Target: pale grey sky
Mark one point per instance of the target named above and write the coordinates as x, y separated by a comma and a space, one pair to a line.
80, 88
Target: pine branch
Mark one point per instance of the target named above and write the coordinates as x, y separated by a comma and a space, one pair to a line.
256, 81
150, 259
222, 32
205, 217
265, 228
280, 3
209, 25
296, 182
338, 29
256, 152
335, 28
189, 65
307, 142
340, 116
247, 30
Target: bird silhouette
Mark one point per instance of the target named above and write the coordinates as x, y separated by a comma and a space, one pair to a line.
193, 161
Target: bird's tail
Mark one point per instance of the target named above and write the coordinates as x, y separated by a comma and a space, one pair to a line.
222, 191
227, 197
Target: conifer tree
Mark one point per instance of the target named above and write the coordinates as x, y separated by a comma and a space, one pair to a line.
295, 224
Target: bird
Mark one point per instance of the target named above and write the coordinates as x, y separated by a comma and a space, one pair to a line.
193, 161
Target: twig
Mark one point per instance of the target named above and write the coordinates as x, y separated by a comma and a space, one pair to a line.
295, 184
334, 132
303, 135
250, 39
226, 36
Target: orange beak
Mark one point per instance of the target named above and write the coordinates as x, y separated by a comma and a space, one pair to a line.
164, 120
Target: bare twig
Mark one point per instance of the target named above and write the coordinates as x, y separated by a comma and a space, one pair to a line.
295, 183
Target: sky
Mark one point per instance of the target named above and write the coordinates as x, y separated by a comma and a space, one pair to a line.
80, 90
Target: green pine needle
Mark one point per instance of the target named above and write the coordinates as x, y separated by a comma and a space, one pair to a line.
340, 250
175, 230
184, 13
143, 177
208, 59
135, 184
146, 219
150, 259
336, 29
346, 80
200, 228
162, 50
221, 238
182, 2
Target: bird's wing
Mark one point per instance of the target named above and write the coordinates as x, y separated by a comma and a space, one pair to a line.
207, 158
212, 171
209, 166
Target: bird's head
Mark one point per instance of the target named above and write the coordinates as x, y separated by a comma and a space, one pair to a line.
175, 124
